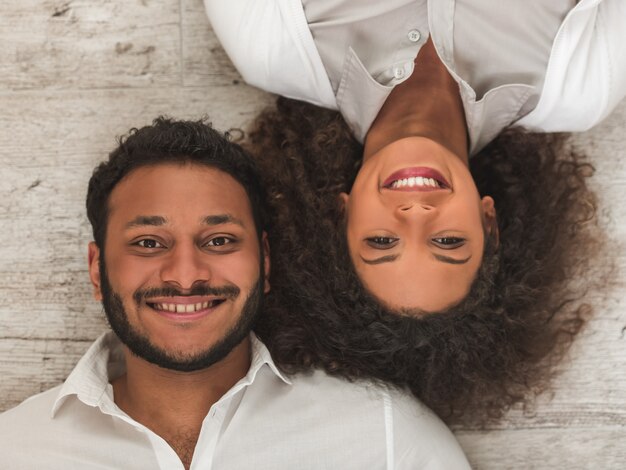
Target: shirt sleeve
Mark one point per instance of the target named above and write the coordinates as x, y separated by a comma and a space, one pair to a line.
586, 75
271, 46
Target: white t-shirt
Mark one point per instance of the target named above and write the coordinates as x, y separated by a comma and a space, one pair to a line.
267, 421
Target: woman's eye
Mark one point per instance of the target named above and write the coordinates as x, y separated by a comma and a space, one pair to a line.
149, 243
220, 241
448, 243
382, 243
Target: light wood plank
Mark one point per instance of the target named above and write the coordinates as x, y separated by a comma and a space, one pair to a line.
571, 448
30, 366
89, 44
204, 60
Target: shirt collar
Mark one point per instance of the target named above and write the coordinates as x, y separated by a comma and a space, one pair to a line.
89, 381
261, 356
360, 97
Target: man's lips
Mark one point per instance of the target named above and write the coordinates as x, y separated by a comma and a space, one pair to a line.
184, 305
416, 179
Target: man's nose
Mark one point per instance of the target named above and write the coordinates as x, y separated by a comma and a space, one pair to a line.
185, 266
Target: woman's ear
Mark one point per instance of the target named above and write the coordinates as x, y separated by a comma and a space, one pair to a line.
491, 220
343, 201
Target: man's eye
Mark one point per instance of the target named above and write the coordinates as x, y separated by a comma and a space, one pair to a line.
149, 243
382, 243
220, 241
449, 243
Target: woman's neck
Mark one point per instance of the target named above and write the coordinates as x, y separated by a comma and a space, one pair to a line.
427, 104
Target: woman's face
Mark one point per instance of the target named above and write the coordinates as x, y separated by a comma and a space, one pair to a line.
416, 225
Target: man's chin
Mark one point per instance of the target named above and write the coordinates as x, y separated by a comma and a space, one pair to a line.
173, 354
176, 358
179, 355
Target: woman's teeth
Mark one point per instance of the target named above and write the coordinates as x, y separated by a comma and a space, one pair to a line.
415, 181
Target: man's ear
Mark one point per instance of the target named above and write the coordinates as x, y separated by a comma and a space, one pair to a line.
266, 261
94, 269
491, 220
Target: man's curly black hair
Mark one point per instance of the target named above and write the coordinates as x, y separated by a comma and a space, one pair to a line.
499, 345
172, 141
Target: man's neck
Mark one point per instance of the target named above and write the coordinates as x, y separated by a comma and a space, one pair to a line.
427, 104
173, 404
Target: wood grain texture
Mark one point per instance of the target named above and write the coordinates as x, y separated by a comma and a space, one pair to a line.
89, 44
204, 59
571, 448
75, 74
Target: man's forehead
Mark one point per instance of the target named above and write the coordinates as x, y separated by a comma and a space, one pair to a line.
158, 220
165, 170
169, 190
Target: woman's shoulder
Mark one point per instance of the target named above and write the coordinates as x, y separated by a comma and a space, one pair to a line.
586, 75
271, 46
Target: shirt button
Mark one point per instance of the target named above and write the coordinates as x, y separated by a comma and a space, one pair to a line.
414, 35
398, 72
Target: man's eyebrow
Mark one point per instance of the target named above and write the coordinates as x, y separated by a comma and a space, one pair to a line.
221, 219
447, 259
142, 220
382, 259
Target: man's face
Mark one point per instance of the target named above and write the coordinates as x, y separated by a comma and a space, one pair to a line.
181, 278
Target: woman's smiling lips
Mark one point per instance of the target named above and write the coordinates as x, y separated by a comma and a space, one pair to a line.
416, 179
185, 308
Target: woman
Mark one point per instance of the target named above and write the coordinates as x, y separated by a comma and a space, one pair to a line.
547, 66
497, 283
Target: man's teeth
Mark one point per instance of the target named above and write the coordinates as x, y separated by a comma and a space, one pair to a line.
415, 181
184, 308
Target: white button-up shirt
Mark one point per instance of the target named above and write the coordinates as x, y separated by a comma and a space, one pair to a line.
544, 65
266, 421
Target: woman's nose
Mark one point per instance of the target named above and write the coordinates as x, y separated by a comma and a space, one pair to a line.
415, 208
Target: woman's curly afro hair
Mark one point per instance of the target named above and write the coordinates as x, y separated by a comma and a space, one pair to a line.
474, 360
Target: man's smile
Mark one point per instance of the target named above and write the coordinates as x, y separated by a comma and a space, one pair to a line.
185, 308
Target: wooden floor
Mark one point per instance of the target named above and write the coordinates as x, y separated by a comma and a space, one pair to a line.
75, 74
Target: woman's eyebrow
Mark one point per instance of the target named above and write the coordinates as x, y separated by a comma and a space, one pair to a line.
390, 258
447, 259
382, 259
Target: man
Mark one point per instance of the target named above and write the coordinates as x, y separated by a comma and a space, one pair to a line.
180, 262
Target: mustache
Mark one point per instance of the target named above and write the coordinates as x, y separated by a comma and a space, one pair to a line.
229, 292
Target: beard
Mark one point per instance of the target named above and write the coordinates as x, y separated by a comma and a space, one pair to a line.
141, 346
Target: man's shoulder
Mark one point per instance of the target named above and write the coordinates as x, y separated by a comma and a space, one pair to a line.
68, 434
357, 393
29, 425
418, 438
30, 412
